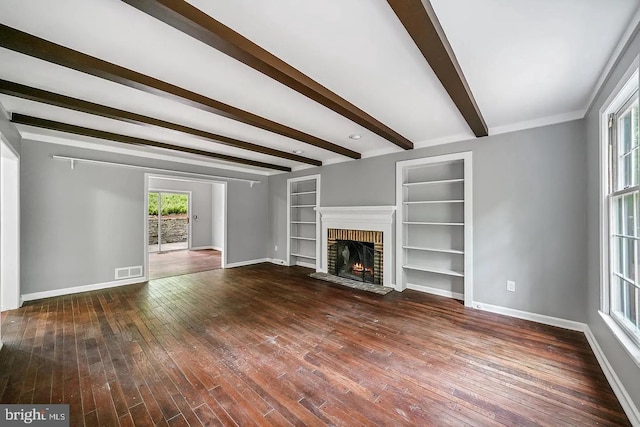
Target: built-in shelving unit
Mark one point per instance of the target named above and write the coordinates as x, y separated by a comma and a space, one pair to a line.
303, 222
433, 225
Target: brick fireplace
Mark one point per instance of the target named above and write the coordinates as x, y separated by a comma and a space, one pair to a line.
364, 254
367, 233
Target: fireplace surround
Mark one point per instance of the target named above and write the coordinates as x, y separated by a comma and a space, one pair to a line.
364, 224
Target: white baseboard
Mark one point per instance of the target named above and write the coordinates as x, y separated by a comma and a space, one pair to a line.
621, 393
248, 262
201, 248
277, 261
78, 289
436, 291
534, 317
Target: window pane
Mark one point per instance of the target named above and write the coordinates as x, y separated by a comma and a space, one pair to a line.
628, 147
630, 254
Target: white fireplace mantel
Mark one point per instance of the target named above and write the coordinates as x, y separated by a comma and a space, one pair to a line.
368, 218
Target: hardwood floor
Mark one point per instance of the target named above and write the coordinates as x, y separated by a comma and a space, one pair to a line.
174, 263
267, 345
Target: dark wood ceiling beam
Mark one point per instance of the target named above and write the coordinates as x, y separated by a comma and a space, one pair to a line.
19, 41
51, 98
22, 119
420, 21
192, 21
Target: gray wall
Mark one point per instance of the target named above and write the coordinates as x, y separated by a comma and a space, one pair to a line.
79, 225
623, 365
201, 205
218, 216
528, 212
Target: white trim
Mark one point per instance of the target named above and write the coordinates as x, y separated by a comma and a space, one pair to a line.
277, 261
248, 262
623, 337
629, 407
436, 291
28, 135
534, 317
84, 288
616, 54
621, 393
536, 123
10, 226
367, 218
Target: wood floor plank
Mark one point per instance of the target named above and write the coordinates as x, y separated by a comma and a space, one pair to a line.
267, 345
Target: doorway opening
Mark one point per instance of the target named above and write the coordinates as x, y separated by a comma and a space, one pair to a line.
185, 225
169, 224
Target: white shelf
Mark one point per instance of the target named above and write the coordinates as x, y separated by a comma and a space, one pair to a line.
447, 251
304, 256
424, 202
434, 270
303, 223
434, 221
431, 223
440, 181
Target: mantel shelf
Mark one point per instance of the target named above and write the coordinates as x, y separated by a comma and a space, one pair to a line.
434, 270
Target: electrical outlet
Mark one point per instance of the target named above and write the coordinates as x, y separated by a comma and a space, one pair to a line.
511, 285
276, 248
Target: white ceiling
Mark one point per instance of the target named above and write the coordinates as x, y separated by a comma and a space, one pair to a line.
527, 62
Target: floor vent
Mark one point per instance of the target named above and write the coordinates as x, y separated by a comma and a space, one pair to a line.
127, 272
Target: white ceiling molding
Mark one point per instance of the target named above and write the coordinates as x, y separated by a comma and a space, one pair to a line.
543, 121
631, 30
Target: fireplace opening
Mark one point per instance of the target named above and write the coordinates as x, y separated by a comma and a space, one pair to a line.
355, 255
356, 261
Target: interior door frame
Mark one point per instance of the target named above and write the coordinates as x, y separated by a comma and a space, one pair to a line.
145, 213
189, 198
10, 297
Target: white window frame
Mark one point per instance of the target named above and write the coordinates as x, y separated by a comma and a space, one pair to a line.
626, 87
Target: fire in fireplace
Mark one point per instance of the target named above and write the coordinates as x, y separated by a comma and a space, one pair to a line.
355, 260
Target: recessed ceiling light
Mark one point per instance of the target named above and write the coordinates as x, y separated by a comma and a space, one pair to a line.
355, 136
298, 151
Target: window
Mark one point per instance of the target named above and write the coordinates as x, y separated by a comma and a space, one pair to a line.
622, 291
